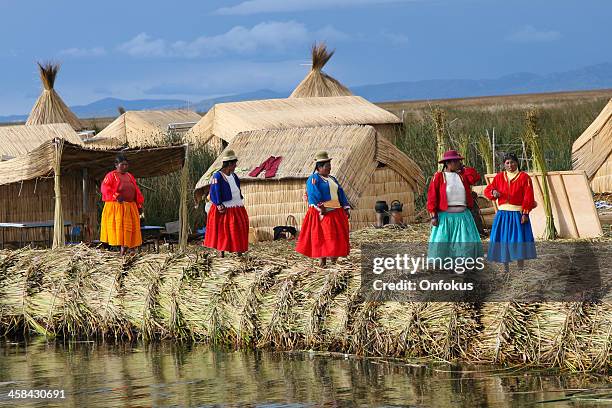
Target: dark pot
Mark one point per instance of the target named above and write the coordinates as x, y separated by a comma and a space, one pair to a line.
381, 207
396, 206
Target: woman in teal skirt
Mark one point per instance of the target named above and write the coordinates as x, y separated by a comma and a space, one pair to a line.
453, 233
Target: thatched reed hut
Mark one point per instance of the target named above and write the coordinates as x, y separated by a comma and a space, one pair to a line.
368, 166
224, 121
49, 107
29, 184
592, 151
145, 128
317, 82
19, 140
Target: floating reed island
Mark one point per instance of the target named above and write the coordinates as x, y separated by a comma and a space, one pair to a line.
276, 299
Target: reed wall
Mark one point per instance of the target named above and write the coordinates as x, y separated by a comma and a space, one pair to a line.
33, 201
269, 203
602, 180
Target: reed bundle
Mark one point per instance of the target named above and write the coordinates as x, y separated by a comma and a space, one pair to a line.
275, 299
49, 107
532, 139
317, 82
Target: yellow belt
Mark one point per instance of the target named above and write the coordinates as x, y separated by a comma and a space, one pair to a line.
510, 207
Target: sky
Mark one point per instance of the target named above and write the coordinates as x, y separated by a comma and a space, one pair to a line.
194, 50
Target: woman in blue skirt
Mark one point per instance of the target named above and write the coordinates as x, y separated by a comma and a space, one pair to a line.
453, 233
511, 236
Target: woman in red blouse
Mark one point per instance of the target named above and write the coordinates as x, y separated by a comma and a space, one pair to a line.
453, 233
123, 201
511, 235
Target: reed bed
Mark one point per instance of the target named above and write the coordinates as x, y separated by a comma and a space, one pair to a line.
276, 299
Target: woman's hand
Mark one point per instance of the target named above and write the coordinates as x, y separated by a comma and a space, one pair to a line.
524, 219
347, 211
434, 221
221, 208
496, 194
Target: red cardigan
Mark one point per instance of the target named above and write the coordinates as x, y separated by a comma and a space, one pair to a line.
436, 195
110, 185
519, 191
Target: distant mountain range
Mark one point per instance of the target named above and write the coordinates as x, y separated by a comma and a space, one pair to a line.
590, 77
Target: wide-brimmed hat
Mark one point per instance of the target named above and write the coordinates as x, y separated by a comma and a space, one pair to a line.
450, 155
322, 156
229, 155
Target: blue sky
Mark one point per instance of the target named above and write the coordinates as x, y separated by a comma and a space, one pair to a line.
197, 49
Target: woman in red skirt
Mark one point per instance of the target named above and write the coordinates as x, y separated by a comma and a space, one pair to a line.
325, 230
227, 226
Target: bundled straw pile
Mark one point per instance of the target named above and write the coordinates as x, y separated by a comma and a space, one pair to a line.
49, 107
317, 82
279, 300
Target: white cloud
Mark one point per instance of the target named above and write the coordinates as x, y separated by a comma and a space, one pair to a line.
84, 52
144, 46
264, 37
396, 38
530, 34
287, 6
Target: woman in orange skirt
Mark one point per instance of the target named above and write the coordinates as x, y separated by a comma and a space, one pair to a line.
227, 225
123, 203
325, 230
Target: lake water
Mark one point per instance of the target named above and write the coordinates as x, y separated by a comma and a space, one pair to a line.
94, 374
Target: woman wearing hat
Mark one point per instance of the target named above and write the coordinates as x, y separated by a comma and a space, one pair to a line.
123, 202
325, 230
454, 233
227, 225
511, 235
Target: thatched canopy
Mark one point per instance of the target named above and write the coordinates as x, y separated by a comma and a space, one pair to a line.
356, 151
19, 140
49, 107
593, 149
39, 162
226, 120
145, 128
317, 82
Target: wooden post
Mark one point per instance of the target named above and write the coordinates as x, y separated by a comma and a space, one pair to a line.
183, 211
59, 239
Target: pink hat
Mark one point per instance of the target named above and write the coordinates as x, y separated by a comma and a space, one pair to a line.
450, 155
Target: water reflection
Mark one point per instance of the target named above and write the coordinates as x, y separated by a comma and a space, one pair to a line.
167, 374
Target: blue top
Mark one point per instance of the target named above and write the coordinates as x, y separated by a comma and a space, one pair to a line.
220, 190
318, 191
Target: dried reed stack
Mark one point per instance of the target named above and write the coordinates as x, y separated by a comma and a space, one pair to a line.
483, 145
532, 139
317, 82
277, 300
49, 107
442, 138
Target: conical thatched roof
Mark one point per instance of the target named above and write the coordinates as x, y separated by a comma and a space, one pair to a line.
50, 108
592, 151
317, 82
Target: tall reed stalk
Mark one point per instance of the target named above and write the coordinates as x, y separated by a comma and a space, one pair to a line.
442, 139
532, 139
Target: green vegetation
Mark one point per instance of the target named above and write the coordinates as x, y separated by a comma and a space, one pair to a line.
560, 124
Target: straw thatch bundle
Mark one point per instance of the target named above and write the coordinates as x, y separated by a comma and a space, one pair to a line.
225, 121
276, 299
592, 151
368, 167
49, 107
145, 128
317, 82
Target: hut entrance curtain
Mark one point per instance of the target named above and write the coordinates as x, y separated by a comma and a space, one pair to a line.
58, 219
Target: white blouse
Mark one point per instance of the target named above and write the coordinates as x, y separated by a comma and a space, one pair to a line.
455, 191
236, 201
